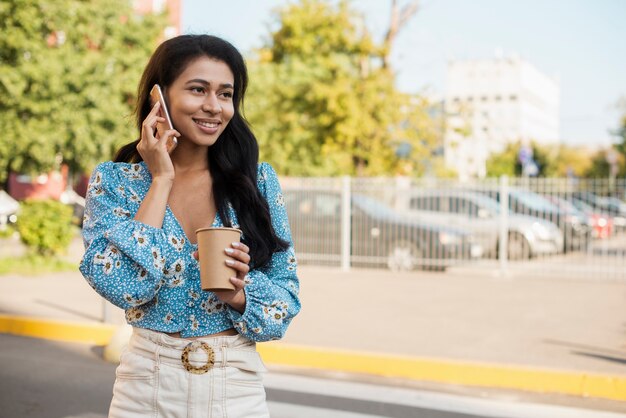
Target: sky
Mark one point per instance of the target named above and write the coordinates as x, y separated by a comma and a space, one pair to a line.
581, 43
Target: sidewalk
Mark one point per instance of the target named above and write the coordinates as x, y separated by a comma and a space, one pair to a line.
533, 334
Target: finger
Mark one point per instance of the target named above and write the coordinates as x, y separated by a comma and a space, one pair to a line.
170, 133
241, 246
155, 109
153, 118
238, 283
148, 129
195, 255
152, 121
238, 265
238, 254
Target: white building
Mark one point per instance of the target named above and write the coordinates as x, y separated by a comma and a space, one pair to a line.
490, 103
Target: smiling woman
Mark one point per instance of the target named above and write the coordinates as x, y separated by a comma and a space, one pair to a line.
191, 349
201, 108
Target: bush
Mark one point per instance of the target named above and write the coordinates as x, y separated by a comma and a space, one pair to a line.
45, 226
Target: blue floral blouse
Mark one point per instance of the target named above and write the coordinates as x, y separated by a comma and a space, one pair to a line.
151, 273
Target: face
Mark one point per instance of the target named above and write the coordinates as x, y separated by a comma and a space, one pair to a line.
201, 100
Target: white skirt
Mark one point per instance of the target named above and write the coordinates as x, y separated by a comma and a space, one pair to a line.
165, 377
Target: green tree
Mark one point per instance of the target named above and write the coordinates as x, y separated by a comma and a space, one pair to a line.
322, 102
599, 167
507, 162
45, 226
68, 76
504, 163
565, 160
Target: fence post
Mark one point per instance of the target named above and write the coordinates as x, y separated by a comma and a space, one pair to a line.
504, 222
346, 223
106, 316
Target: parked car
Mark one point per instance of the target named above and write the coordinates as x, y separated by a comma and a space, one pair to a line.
527, 236
378, 236
575, 227
602, 225
8, 209
77, 202
606, 205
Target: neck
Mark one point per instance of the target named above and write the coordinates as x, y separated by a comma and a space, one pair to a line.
188, 157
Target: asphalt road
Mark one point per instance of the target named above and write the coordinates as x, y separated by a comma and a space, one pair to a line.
45, 379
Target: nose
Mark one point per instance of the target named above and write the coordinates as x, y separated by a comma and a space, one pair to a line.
211, 104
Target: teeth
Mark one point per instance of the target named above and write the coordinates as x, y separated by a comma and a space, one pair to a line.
207, 124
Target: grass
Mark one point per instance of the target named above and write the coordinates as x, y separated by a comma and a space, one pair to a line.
32, 265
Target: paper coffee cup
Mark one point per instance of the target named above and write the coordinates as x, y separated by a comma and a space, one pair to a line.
214, 273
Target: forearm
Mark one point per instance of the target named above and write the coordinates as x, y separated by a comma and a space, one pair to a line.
152, 209
271, 303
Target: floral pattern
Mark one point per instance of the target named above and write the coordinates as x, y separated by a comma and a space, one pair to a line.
177, 243
213, 305
150, 272
140, 238
134, 314
277, 311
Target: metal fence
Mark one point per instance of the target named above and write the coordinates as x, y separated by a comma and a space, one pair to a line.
524, 226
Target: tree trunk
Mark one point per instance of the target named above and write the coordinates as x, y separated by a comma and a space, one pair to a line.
398, 19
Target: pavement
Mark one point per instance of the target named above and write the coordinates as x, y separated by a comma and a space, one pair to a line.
73, 381
551, 339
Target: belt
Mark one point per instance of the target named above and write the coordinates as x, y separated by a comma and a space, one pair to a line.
200, 355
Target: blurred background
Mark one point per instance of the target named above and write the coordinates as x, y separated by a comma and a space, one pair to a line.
427, 140
402, 97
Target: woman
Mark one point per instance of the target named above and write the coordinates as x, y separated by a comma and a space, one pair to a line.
192, 352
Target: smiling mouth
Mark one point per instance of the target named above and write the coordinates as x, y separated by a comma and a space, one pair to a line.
207, 124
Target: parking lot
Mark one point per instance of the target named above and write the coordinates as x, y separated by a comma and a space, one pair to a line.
522, 226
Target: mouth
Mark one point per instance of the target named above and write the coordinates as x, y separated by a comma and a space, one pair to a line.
207, 123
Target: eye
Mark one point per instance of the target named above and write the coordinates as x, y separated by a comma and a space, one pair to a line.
227, 94
197, 89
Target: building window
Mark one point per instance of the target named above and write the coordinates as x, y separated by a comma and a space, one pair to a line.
513, 97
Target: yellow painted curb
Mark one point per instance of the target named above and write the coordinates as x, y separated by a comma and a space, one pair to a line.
447, 371
415, 368
80, 332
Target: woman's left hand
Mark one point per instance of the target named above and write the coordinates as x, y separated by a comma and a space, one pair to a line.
239, 260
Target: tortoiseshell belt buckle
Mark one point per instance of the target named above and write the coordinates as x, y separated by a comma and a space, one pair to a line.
192, 347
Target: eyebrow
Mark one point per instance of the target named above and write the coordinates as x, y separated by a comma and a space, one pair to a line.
206, 83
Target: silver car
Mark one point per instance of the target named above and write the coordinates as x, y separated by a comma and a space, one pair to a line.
528, 236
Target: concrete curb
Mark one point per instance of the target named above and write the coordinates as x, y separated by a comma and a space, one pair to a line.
414, 368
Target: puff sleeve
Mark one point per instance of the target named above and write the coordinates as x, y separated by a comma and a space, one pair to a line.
272, 291
124, 258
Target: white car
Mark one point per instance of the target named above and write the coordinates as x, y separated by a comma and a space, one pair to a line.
528, 236
8, 209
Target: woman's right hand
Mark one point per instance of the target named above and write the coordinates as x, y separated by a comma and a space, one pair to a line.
153, 149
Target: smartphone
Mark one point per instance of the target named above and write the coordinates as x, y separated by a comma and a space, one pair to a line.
156, 95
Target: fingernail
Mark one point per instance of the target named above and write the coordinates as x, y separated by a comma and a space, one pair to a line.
235, 244
230, 262
229, 250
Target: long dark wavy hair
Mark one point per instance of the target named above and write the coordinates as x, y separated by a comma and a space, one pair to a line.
234, 157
